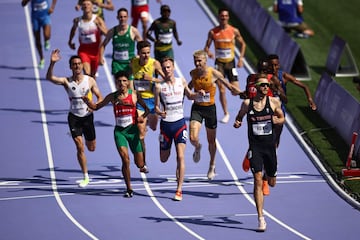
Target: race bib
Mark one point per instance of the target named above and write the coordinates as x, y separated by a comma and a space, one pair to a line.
121, 55
262, 128
88, 38
142, 85
124, 121
223, 53
205, 98
165, 38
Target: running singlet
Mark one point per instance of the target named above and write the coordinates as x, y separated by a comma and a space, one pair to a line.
172, 97
144, 87
206, 83
75, 91
164, 33
123, 46
224, 44
89, 36
125, 115
260, 124
139, 2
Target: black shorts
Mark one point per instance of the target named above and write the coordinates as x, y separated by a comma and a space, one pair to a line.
263, 157
82, 125
227, 69
199, 113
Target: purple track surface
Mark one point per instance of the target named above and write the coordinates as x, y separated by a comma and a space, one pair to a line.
39, 197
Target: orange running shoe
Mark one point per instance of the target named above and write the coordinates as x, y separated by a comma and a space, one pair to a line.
265, 188
178, 196
246, 163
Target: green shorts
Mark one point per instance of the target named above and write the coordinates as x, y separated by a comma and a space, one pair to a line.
128, 136
117, 66
159, 55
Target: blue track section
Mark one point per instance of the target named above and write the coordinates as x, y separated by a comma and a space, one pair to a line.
39, 197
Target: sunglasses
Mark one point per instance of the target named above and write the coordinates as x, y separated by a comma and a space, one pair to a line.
263, 84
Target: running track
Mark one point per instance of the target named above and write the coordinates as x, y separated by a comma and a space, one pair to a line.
39, 198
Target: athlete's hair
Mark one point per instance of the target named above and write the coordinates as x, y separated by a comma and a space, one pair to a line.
143, 44
260, 76
272, 56
72, 58
199, 53
222, 10
164, 59
122, 10
122, 74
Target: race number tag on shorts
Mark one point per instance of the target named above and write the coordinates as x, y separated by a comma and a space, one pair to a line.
223, 53
121, 55
205, 98
262, 128
124, 121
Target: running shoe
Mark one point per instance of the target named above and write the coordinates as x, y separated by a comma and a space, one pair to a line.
211, 173
262, 224
129, 193
265, 188
226, 118
42, 64
47, 45
83, 183
178, 196
301, 35
196, 154
144, 169
246, 163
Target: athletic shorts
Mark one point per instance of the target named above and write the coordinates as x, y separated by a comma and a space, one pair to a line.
150, 103
172, 131
159, 55
40, 21
227, 69
93, 60
207, 113
117, 67
138, 12
82, 125
263, 157
128, 136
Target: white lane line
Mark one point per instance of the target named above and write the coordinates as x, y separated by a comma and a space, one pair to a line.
45, 128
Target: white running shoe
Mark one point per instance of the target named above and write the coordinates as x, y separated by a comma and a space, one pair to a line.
226, 118
262, 224
211, 173
144, 169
